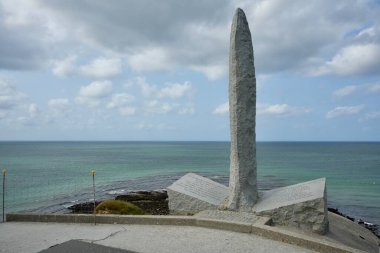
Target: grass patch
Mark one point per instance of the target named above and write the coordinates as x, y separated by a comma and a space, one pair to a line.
118, 207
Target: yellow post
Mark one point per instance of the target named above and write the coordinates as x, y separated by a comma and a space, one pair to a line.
4, 174
93, 186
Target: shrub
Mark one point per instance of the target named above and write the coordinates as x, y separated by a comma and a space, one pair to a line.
118, 207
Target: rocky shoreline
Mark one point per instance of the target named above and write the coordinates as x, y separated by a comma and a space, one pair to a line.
153, 202
374, 228
156, 203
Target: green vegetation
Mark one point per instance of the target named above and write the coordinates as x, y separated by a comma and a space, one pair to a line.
118, 207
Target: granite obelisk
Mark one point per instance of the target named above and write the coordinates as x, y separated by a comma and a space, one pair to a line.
242, 98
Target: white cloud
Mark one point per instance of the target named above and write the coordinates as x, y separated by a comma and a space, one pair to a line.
146, 126
187, 110
360, 89
127, 111
171, 90
280, 110
354, 59
157, 107
294, 33
102, 68
90, 102
191, 35
147, 90
58, 102
92, 94
374, 88
368, 32
99, 68
59, 107
345, 91
155, 97
277, 110
344, 111
175, 90
222, 109
9, 95
214, 71
371, 116
162, 107
3, 115
120, 100
97, 89
65, 67
150, 59
33, 111
17, 16
27, 34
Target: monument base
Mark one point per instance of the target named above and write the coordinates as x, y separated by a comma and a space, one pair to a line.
301, 205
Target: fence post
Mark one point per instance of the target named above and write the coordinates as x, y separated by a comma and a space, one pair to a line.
4, 174
93, 186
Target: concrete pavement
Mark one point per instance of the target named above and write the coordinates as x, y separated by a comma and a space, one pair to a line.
35, 237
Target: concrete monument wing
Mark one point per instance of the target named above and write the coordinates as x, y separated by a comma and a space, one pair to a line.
193, 193
301, 205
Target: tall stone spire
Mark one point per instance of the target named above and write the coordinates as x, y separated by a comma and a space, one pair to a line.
242, 99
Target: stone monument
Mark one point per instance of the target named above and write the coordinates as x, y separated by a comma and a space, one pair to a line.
302, 205
242, 99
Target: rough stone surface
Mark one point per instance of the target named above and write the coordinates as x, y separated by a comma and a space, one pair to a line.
193, 193
183, 204
242, 99
302, 205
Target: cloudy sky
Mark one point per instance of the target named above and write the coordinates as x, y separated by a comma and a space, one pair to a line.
158, 70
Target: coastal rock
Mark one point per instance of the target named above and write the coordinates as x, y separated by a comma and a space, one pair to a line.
86, 207
143, 195
153, 202
242, 102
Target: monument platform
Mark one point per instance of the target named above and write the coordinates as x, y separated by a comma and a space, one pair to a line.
301, 205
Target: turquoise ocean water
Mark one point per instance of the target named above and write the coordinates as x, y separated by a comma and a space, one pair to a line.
49, 176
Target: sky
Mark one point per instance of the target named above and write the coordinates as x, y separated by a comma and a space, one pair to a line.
150, 70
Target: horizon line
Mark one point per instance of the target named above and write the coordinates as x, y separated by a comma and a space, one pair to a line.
185, 141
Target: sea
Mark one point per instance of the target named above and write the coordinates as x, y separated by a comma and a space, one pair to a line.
48, 177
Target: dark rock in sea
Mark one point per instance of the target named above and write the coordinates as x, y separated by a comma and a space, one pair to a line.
336, 211
154, 202
87, 207
143, 195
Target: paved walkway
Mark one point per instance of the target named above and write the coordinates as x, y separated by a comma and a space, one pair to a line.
35, 237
